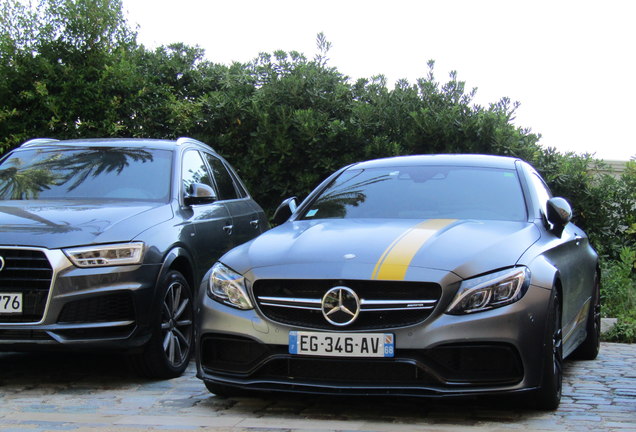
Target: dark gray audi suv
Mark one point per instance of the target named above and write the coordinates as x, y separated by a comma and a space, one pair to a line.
104, 241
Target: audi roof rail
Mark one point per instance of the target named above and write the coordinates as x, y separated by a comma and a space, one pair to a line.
37, 141
184, 140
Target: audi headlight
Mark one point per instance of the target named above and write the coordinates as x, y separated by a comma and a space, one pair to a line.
490, 291
106, 255
227, 286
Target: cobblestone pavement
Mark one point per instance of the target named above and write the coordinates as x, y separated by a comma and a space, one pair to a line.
58, 392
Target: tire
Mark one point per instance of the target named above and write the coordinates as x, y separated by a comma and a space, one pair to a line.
589, 348
548, 396
168, 352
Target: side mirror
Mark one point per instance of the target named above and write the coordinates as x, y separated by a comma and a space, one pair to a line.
199, 193
285, 210
559, 214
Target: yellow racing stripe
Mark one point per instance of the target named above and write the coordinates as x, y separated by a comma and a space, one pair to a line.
396, 259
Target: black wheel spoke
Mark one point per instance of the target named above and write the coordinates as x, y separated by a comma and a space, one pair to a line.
176, 297
166, 341
181, 337
177, 353
182, 308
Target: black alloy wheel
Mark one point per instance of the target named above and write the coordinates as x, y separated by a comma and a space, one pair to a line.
168, 352
548, 396
176, 323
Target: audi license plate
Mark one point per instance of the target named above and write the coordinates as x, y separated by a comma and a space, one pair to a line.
341, 344
10, 303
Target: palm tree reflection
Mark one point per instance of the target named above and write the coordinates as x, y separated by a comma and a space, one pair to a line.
26, 176
349, 193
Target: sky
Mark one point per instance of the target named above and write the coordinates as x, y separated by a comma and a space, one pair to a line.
571, 64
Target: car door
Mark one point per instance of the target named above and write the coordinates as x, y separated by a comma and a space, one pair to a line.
570, 254
212, 233
247, 218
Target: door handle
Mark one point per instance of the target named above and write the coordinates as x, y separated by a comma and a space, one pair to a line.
254, 223
228, 229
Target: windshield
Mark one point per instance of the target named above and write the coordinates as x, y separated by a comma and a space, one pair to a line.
87, 173
422, 192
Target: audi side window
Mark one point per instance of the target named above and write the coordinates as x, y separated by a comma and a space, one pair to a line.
194, 171
223, 179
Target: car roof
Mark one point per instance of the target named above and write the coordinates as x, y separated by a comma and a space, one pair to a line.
113, 142
472, 160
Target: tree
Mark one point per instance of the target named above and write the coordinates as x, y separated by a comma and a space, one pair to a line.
63, 65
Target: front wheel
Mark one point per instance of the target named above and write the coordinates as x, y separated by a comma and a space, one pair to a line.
168, 352
548, 396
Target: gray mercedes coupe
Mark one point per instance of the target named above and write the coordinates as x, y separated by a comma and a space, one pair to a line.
440, 275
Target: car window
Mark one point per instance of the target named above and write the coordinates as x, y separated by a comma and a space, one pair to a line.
421, 193
542, 190
194, 171
86, 173
223, 179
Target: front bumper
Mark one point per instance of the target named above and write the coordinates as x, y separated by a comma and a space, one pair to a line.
104, 307
496, 351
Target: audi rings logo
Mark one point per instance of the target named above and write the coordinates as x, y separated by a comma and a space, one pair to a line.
1, 263
340, 306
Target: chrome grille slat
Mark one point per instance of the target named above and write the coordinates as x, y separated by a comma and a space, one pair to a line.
289, 300
395, 302
397, 309
290, 306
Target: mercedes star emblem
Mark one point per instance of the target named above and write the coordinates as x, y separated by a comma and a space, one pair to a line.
340, 306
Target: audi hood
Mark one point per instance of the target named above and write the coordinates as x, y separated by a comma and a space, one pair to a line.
385, 249
55, 224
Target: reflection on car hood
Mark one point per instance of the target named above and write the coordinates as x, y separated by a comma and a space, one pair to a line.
384, 249
58, 224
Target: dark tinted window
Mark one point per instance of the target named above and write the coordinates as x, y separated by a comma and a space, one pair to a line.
194, 171
89, 173
422, 193
223, 179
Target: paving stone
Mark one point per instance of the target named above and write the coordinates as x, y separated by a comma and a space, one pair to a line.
66, 393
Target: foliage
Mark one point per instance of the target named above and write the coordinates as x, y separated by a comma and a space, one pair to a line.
618, 288
604, 205
73, 68
624, 330
618, 295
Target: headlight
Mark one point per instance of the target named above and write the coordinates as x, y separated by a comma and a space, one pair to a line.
490, 291
227, 286
106, 255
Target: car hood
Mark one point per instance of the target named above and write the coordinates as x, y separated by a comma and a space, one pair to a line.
383, 249
58, 224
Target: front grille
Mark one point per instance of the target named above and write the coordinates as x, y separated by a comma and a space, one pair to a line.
477, 362
28, 272
383, 304
230, 353
105, 308
374, 372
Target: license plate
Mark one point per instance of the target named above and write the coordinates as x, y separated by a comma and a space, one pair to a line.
10, 303
341, 344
